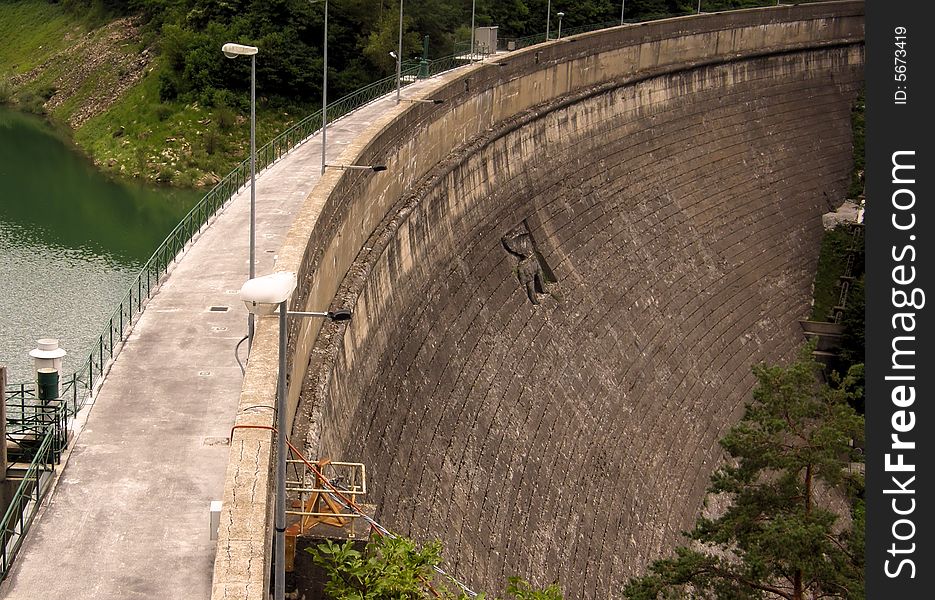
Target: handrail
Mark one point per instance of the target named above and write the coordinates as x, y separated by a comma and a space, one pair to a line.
25, 502
30, 416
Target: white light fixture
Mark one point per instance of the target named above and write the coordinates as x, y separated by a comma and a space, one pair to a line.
262, 295
234, 50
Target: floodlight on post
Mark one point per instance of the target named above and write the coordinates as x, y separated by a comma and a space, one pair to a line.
324, 93
560, 15
473, 7
264, 296
232, 50
548, 15
425, 100
374, 168
399, 56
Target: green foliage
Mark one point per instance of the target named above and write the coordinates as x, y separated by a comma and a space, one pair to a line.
832, 261
6, 91
791, 456
389, 568
394, 568
32, 32
522, 590
361, 33
858, 128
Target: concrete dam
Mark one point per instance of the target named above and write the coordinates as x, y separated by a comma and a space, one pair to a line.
559, 287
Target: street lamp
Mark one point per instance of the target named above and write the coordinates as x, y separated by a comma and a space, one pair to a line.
324, 93
699, 7
548, 14
623, 5
263, 296
560, 15
324, 109
399, 56
396, 58
374, 168
473, 6
231, 50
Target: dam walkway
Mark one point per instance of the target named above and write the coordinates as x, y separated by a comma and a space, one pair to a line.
129, 515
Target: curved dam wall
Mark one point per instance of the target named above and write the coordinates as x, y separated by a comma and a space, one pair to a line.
559, 286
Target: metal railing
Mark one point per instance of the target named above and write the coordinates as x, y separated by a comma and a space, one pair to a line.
25, 502
40, 428
538, 38
79, 385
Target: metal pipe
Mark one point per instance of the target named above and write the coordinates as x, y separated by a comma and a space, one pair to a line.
280, 518
250, 317
623, 5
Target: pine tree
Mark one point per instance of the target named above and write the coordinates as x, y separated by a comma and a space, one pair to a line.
792, 455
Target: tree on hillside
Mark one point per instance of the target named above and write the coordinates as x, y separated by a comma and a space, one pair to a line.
790, 459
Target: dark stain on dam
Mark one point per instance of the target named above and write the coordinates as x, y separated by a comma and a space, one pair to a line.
569, 436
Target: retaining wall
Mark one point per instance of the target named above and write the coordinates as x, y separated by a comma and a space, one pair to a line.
672, 176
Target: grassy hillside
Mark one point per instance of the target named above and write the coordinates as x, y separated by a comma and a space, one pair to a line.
32, 31
174, 142
101, 84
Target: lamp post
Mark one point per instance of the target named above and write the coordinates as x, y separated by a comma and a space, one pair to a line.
324, 93
399, 57
560, 15
699, 7
623, 5
548, 14
263, 296
473, 6
396, 58
231, 50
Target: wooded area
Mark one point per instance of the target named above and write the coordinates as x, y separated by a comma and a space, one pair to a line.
361, 33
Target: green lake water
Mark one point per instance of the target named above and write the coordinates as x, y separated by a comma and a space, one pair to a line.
71, 242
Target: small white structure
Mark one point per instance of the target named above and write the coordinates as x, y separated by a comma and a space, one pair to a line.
47, 355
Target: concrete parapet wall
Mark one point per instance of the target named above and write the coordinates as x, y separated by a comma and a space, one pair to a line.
672, 175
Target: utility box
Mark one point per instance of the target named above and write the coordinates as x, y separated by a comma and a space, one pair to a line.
485, 40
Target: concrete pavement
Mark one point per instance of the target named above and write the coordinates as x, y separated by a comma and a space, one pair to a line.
129, 517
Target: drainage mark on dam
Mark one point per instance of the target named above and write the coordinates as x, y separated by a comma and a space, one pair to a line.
531, 269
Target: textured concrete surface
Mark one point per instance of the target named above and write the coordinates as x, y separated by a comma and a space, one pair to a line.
129, 515
677, 212
572, 439
672, 178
